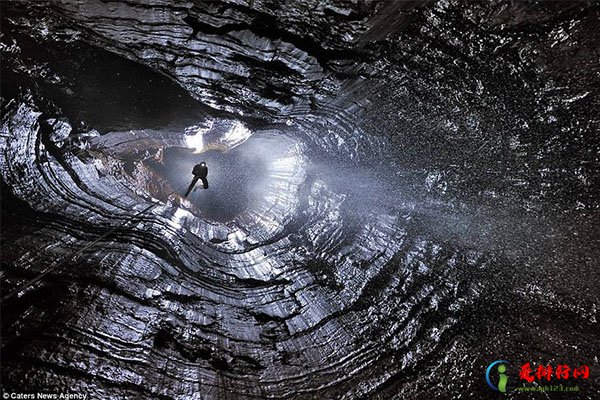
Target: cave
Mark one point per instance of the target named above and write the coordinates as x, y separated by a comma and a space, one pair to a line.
403, 199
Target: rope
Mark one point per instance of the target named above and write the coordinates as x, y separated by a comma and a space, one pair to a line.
74, 256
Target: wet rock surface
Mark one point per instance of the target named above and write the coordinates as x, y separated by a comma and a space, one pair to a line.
401, 193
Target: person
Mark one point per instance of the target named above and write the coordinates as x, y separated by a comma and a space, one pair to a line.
200, 171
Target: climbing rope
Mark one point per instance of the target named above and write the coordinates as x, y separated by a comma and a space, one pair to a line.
27, 285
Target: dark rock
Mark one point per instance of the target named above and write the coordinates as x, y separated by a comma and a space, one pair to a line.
400, 193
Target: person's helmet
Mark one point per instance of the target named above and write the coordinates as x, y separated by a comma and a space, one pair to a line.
203, 164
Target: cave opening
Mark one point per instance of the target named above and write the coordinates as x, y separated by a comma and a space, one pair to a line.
238, 178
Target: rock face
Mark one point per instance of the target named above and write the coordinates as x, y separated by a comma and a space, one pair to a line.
400, 194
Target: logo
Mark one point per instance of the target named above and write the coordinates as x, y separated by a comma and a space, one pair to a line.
544, 378
502, 378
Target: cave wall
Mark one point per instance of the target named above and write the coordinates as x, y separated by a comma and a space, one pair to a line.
467, 233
